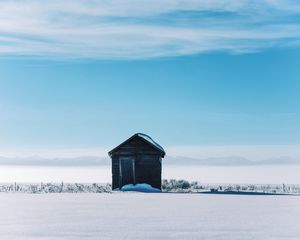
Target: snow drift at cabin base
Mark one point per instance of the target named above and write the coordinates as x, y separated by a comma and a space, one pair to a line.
140, 187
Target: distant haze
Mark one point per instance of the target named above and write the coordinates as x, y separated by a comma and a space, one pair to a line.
104, 161
211, 164
180, 155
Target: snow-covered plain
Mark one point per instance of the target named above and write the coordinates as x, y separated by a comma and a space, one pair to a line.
148, 216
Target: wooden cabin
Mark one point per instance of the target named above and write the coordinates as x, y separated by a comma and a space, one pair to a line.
137, 160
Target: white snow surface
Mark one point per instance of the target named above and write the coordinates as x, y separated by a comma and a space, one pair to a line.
134, 216
140, 187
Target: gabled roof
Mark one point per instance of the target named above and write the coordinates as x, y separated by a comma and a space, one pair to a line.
144, 138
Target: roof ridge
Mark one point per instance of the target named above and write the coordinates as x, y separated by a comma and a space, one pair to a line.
146, 138
150, 140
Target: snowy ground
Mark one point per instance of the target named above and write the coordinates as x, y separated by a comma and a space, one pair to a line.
148, 216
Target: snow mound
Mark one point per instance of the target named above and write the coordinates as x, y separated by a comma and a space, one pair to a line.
140, 187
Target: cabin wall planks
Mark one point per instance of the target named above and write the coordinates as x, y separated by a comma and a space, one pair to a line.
146, 158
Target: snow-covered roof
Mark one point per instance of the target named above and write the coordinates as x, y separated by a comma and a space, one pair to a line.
144, 137
150, 140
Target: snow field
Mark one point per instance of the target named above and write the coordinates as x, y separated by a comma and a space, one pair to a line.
148, 216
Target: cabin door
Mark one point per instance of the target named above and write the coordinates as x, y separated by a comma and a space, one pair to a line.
127, 175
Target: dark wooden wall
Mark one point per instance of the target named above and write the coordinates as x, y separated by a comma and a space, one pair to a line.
148, 170
147, 163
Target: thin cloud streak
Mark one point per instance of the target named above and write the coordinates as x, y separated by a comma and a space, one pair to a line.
134, 29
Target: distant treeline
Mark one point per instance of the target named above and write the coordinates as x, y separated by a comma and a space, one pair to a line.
56, 187
172, 185
186, 186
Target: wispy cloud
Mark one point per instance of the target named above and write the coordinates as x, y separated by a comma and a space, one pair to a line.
137, 29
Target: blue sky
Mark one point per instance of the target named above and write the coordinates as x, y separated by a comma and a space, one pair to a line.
87, 74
